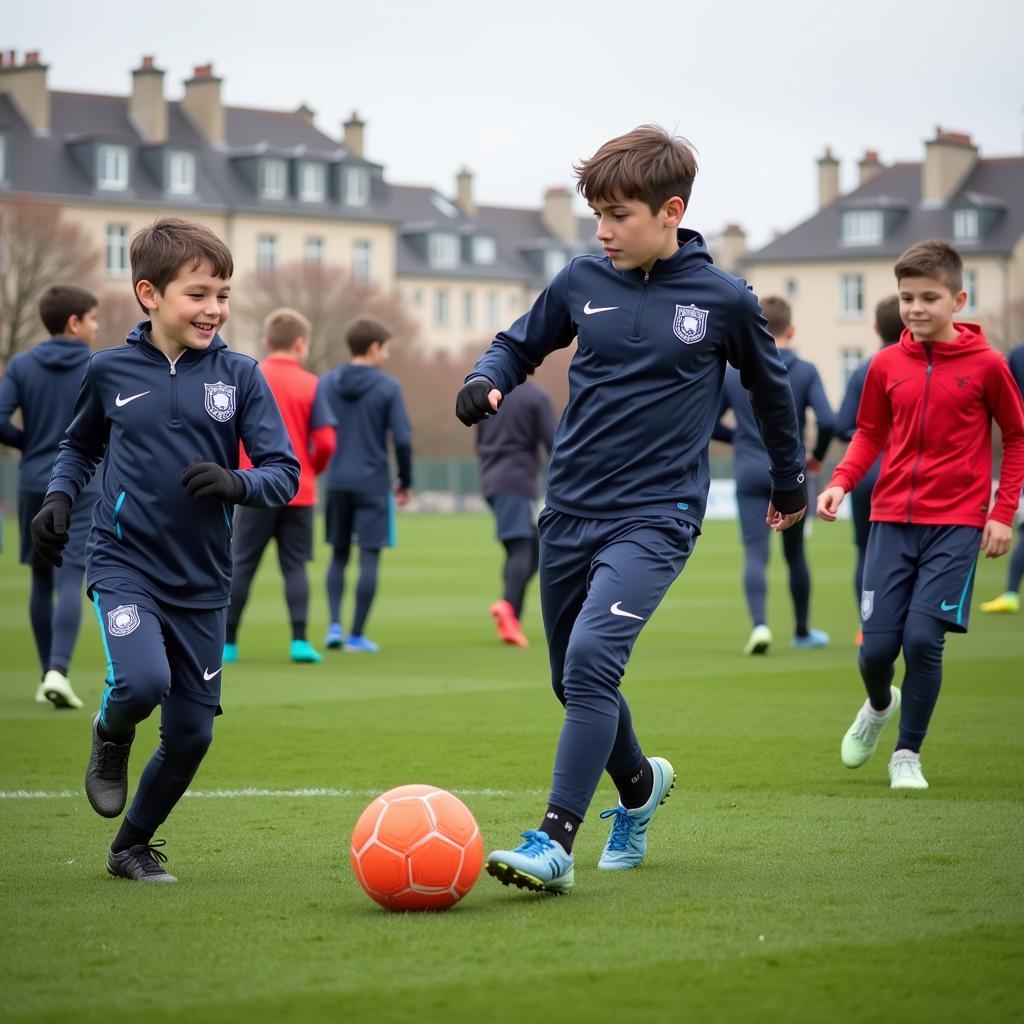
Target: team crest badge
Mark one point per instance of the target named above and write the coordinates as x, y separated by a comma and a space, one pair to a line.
220, 400
690, 324
867, 605
124, 619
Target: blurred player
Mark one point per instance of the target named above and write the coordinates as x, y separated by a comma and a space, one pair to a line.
310, 424
754, 483
928, 403
509, 448
44, 383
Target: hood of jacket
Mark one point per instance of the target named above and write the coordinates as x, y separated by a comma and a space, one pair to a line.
62, 354
971, 340
356, 381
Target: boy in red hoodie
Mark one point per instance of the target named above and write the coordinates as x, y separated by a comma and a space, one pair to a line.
929, 403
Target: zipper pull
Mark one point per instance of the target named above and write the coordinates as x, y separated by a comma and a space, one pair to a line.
174, 369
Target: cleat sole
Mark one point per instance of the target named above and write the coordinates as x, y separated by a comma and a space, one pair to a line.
508, 875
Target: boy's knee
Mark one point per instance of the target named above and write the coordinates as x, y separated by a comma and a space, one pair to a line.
188, 744
879, 649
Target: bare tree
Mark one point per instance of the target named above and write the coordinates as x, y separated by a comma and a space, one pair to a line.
38, 248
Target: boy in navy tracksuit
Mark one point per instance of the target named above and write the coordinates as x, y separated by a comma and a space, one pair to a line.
168, 409
628, 480
753, 483
368, 407
44, 382
928, 403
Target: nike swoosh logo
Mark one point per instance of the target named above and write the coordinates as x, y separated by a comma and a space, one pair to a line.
616, 609
208, 675
591, 310
947, 607
119, 401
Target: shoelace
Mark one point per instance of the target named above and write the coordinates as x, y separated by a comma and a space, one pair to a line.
867, 727
536, 843
151, 856
621, 828
113, 757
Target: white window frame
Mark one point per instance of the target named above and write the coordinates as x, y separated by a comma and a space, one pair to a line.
966, 224
442, 307
266, 253
971, 287
554, 260
851, 296
313, 251
850, 359
181, 173
312, 181
362, 260
112, 168
485, 250
493, 308
443, 250
273, 177
863, 227
116, 249
355, 186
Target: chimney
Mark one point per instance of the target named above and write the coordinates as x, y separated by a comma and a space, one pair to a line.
557, 215
869, 166
202, 103
948, 159
26, 86
733, 249
353, 139
464, 192
147, 107
307, 113
828, 179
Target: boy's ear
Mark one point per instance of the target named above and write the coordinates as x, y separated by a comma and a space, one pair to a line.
959, 301
147, 295
71, 326
673, 208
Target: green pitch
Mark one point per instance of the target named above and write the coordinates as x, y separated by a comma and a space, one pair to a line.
779, 885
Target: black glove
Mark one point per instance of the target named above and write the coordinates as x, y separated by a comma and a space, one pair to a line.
208, 480
471, 403
788, 502
50, 527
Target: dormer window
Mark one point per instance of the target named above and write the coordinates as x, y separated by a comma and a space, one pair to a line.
863, 227
312, 182
966, 225
554, 260
112, 168
355, 186
444, 250
181, 173
485, 250
273, 178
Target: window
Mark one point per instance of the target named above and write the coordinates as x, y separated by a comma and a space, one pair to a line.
266, 253
849, 360
417, 297
484, 249
554, 260
971, 287
441, 307
312, 182
493, 309
468, 308
361, 256
444, 250
117, 250
112, 168
356, 186
3, 157
862, 227
313, 251
790, 287
965, 225
851, 295
273, 179
450, 210
181, 174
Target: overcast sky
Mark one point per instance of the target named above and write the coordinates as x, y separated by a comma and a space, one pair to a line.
518, 91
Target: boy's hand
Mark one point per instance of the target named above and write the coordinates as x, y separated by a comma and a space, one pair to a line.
403, 495
828, 503
208, 480
476, 401
995, 538
787, 508
780, 521
50, 527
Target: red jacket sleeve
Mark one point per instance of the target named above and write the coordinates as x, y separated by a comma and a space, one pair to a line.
874, 418
1004, 401
322, 443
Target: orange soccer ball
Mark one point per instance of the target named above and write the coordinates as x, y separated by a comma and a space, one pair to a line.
416, 848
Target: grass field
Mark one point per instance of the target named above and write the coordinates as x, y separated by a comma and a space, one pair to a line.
779, 886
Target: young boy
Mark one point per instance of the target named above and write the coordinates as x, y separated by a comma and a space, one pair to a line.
168, 410
310, 424
509, 447
753, 483
888, 327
44, 382
368, 406
656, 323
929, 403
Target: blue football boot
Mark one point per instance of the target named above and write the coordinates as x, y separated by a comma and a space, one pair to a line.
335, 636
539, 864
627, 842
360, 644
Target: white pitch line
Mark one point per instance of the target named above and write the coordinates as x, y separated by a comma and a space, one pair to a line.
241, 794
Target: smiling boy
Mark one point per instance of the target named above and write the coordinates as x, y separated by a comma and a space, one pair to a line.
656, 324
928, 402
168, 410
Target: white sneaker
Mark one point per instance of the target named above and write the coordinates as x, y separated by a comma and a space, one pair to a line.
760, 640
40, 695
905, 771
862, 737
57, 690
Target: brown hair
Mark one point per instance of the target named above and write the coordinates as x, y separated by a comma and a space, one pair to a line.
158, 252
363, 333
61, 302
284, 327
888, 320
934, 258
778, 313
647, 164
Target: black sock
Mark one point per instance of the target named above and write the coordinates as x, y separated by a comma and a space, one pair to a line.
299, 630
561, 826
128, 836
231, 633
636, 788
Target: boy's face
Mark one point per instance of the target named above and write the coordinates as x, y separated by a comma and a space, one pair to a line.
927, 307
191, 309
84, 328
634, 237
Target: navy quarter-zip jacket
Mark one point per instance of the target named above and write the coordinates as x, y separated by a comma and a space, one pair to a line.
646, 379
152, 418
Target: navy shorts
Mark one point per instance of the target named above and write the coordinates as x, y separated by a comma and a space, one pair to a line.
927, 569
513, 517
368, 515
290, 525
29, 504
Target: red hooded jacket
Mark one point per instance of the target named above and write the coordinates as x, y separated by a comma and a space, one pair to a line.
929, 406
